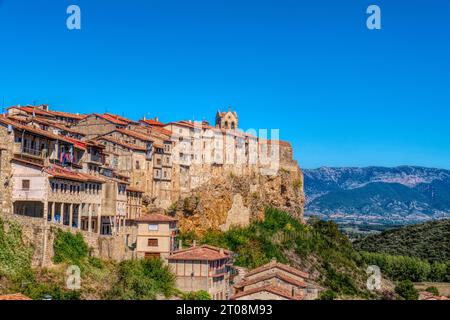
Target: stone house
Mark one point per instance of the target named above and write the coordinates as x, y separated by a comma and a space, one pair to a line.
43, 112
155, 236
276, 281
134, 203
203, 268
95, 124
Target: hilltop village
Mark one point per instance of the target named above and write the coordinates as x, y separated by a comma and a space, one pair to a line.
115, 179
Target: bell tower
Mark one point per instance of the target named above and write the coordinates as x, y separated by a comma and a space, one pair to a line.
228, 120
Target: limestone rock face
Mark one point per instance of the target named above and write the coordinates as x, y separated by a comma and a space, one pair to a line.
227, 199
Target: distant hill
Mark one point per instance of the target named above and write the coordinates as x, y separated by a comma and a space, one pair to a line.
405, 194
429, 241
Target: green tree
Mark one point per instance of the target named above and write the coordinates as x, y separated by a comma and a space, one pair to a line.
70, 248
433, 290
328, 295
142, 280
199, 295
406, 290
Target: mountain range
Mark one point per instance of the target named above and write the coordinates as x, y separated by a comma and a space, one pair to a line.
399, 195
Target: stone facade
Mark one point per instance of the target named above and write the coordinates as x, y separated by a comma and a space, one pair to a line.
204, 268
156, 236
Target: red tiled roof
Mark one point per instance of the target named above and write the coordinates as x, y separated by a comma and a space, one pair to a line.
60, 172
120, 118
41, 132
67, 115
133, 134
162, 130
51, 123
425, 295
278, 275
274, 289
35, 109
278, 265
124, 144
23, 161
152, 122
203, 252
107, 118
155, 218
15, 297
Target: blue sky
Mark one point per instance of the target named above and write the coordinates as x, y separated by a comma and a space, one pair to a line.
342, 94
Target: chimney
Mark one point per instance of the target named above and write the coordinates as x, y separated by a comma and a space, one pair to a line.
156, 119
221, 251
180, 244
194, 243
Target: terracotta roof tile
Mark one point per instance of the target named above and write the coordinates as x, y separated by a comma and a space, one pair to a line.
124, 144
67, 114
153, 122
247, 282
60, 172
33, 109
133, 134
278, 265
277, 290
14, 297
41, 132
119, 118
203, 252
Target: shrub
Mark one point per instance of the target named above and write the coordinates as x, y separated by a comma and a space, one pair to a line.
433, 290
15, 255
199, 295
69, 248
142, 280
328, 295
406, 290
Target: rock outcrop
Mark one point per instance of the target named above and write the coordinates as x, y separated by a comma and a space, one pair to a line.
228, 200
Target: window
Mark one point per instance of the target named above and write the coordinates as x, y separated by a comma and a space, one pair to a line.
150, 255
138, 166
26, 184
152, 242
152, 227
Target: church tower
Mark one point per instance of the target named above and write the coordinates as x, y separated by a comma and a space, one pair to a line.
227, 120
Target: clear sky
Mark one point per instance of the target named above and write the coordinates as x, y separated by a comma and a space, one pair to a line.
342, 94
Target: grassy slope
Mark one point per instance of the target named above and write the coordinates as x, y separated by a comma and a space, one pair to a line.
318, 248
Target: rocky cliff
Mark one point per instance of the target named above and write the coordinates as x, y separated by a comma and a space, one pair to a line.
228, 199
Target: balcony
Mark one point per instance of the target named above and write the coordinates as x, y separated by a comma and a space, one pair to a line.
95, 158
41, 154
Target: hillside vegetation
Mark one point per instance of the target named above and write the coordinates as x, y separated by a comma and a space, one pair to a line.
318, 248
427, 241
129, 280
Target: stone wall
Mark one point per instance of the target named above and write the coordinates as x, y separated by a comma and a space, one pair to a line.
41, 235
6, 152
